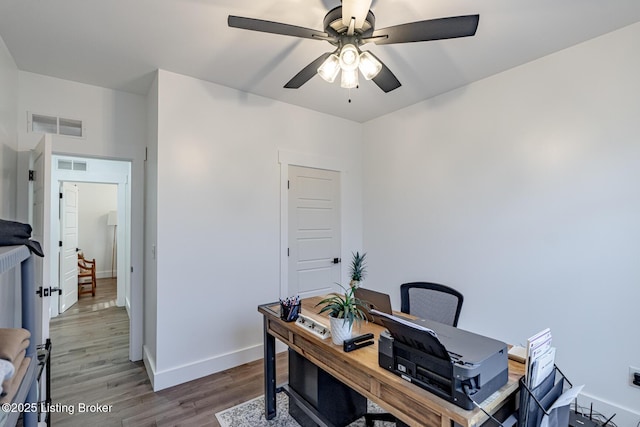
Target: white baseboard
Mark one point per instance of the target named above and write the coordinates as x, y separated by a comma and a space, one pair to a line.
185, 373
623, 417
149, 364
103, 274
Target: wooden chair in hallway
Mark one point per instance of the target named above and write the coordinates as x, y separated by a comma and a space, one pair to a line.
86, 275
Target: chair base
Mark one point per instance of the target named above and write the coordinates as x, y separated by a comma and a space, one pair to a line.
86, 291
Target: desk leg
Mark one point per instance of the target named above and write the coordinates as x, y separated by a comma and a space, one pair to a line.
269, 372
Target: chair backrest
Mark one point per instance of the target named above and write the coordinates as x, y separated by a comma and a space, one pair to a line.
431, 301
85, 265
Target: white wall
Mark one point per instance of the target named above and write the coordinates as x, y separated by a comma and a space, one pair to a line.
218, 224
8, 133
522, 191
8, 173
95, 237
115, 129
150, 231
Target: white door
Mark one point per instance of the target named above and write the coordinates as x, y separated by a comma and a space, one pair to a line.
40, 220
314, 231
69, 238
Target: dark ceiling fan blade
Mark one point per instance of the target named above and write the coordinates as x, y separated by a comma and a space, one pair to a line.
432, 29
307, 72
386, 80
275, 28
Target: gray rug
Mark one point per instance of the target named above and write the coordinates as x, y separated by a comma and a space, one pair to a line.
251, 414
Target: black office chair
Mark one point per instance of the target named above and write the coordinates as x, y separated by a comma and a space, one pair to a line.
428, 301
431, 301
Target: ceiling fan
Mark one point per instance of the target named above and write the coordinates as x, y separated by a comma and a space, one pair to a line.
351, 25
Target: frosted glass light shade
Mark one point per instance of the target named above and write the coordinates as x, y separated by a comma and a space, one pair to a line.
369, 65
330, 68
349, 57
349, 79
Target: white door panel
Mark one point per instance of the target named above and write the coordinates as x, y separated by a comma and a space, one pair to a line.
314, 279
314, 230
314, 219
314, 248
68, 256
317, 188
40, 220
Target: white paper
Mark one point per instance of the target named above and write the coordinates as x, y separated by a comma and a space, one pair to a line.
565, 399
542, 367
405, 322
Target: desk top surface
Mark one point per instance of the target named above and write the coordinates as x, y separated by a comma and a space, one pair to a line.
379, 382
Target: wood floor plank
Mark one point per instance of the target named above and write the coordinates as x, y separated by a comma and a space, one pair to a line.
90, 365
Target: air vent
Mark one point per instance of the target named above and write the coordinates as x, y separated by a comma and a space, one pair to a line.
79, 166
70, 127
55, 125
44, 124
65, 165
72, 165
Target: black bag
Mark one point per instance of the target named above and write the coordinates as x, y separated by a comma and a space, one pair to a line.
16, 233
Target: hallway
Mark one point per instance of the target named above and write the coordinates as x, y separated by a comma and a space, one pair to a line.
90, 365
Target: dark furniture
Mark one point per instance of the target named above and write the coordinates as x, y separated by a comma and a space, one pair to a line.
431, 301
425, 300
360, 371
86, 275
338, 404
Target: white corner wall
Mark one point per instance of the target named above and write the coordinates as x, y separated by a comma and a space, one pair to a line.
218, 224
523, 192
8, 174
116, 128
150, 231
95, 237
8, 133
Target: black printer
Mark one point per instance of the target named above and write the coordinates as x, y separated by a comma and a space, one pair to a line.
452, 363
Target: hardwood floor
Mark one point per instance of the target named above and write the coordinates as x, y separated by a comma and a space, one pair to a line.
90, 366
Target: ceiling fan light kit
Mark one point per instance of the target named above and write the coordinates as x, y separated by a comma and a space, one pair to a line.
348, 27
349, 61
369, 65
349, 57
330, 68
349, 79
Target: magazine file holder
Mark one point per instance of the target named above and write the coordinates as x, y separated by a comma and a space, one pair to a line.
535, 402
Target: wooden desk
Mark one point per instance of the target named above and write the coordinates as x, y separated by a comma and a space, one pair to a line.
359, 370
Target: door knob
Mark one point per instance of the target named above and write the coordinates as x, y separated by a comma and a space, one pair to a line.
337, 260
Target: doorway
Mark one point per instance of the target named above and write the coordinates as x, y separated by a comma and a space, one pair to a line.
314, 230
114, 174
331, 270
88, 224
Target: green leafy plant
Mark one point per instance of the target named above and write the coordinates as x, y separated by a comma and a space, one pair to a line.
358, 268
344, 306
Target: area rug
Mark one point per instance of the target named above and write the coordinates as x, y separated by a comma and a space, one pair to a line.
251, 414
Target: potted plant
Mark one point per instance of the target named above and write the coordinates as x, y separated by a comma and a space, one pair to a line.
344, 310
357, 269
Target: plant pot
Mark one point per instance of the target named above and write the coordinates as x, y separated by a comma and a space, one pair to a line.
340, 330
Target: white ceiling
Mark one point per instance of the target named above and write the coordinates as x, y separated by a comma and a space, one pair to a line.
119, 43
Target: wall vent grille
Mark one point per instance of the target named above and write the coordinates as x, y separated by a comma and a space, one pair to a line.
55, 125
72, 165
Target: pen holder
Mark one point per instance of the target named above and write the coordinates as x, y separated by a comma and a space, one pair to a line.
289, 313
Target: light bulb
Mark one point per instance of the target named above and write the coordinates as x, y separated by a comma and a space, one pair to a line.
330, 68
369, 65
349, 79
349, 57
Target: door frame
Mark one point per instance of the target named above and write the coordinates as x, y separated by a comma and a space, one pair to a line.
291, 158
120, 175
